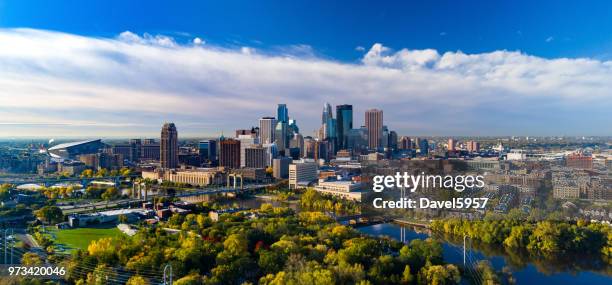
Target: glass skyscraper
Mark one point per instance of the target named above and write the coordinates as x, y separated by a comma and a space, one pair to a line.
282, 113
344, 123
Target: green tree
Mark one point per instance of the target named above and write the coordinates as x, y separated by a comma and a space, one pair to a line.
50, 214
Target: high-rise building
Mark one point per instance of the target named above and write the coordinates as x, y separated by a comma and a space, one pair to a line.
374, 124
344, 123
266, 129
246, 141
451, 144
255, 157
169, 146
424, 146
392, 140
229, 155
280, 136
405, 143
280, 167
208, 150
473, 146
297, 142
282, 113
328, 122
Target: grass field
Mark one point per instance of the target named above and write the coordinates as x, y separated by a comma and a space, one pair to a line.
79, 238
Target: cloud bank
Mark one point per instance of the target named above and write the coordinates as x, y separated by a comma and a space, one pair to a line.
58, 84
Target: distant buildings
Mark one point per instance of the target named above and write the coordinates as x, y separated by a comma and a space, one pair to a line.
102, 160
579, 161
451, 144
374, 124
169, 146
473, 146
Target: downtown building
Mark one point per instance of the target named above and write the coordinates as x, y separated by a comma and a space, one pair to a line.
374, 124
169, 146
229, 155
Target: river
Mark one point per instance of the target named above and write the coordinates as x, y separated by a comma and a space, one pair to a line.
575, 270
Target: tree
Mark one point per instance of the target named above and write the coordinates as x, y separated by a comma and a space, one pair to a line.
191, 279
30, 259
50, 214
137, 280
407, 277
236, 245
123, 219
87, 173
110, 194
439, 275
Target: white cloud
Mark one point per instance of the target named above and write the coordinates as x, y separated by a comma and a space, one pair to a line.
131, 84
198, 41
360, 49
550, 39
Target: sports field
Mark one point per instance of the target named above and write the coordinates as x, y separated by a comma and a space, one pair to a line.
79, 238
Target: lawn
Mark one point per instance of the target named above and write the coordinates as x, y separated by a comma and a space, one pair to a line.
79, 238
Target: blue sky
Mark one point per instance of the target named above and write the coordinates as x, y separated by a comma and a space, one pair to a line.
334, 28
435, 67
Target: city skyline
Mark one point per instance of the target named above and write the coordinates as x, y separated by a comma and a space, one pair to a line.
62, 80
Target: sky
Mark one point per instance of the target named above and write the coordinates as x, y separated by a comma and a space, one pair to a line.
477, 68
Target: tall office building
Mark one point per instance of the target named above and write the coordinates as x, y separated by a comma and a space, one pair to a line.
424, 146
246, 141
229, 155
451, 144
473, 146
392, 140
266, 129
255, 157
280, 136
280, 167
344, 123
374, 124
405, 143
169, 146
282, 113
208, 150
297, 142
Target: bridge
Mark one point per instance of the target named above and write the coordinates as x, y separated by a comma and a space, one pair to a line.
84, 181
142, 195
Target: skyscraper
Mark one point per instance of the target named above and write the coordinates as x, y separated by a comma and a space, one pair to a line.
246, 141
374, 123
451, 144
280, 136
266, 129
282, 113
229, 155
424, 146
328, 122
169, 146
344, 123
208, 151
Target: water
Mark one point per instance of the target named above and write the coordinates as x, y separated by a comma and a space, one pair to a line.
525, 271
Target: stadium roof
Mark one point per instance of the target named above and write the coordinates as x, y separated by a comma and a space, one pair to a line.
71, 144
